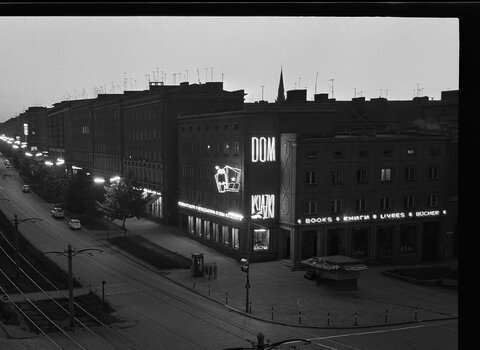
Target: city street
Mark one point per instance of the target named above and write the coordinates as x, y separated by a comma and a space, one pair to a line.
161, 314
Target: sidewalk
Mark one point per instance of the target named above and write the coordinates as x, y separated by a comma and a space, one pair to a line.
278, 294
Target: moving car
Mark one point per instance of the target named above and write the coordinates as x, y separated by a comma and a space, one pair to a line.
57, 212
74, 224
26, 188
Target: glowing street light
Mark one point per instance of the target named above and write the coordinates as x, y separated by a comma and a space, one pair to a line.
99, 180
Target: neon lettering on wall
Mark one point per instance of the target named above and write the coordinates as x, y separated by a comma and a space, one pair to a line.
263, 205
211, 211
263, 149
370, 217
227, 179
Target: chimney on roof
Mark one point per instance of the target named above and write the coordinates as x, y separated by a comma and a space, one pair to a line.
320, 97
297, 95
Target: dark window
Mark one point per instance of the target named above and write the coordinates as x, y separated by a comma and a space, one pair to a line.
433, 173
336, 206
363, 154
409, 174
361, 205
388, 153
362, 176
385, 203
337, 177
310, 207
311, 177
337, 154
409, 202
312, 155
432, 201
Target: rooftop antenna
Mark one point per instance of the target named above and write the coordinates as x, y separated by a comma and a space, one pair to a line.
211, 75
262, 90
299, 82
386, 93
158, 76
124, 81
332, 80
187, 74
162, 76
316, 78
198, 73
206, 72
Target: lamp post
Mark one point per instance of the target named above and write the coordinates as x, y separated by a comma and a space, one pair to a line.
16, 222
70, 253
246, 262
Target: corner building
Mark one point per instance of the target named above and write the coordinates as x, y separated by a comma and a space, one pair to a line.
280, 181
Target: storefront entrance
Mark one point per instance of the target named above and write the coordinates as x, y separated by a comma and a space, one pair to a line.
336, 242
309, 244
431, 232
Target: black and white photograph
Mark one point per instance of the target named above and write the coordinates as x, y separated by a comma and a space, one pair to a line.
218, 181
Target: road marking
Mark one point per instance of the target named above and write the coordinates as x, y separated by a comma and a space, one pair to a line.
366, 333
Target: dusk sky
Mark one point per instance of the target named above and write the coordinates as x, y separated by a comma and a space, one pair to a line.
45, 60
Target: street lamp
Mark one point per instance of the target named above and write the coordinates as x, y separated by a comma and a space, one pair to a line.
246, 262
17, 221
70, 253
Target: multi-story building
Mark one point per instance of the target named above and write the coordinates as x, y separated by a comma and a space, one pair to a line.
298, 179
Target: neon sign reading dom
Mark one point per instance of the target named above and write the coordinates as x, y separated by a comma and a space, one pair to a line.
263, 149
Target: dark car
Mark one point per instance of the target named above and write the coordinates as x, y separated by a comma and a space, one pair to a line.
26, 188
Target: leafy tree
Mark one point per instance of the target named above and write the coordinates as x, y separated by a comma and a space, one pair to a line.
81, 194
123, 200
55, 183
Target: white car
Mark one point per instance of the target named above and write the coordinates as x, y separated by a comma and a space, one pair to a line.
74, 224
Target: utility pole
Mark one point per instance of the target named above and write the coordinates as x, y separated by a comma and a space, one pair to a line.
70, 253
16, 222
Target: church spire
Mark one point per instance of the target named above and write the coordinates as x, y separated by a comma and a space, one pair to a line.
281, 92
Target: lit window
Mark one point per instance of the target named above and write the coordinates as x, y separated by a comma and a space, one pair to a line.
236, 148
261, 239
410, 152
386, 175
235, 240
226, 235
206, 229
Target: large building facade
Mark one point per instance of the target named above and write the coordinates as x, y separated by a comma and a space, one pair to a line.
370, 179
300, 179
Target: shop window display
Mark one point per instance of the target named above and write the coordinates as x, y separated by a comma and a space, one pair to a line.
261, 239
360, 243
408, 240
384, 241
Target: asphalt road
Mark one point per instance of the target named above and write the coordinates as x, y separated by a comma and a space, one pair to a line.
159, 314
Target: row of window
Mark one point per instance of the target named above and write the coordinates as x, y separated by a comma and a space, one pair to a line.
226, 235
361, 205
209, 200
388, 153
385, 242
210, 148
207, 127
362, 175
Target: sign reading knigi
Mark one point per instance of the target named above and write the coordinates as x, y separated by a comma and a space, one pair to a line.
263, 205
263, 149
370, 217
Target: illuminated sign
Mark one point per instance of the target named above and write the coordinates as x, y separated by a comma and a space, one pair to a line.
227, 179
25, 129
263, 205
369, 217
210, 211
263, 149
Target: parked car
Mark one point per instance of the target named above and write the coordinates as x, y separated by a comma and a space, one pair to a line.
74, 224
26, 188
57, 212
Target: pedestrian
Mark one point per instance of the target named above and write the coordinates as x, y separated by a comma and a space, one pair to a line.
215, 270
